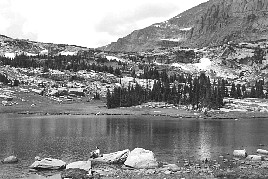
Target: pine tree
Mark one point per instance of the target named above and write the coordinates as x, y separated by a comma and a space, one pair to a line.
233, 93
238, 91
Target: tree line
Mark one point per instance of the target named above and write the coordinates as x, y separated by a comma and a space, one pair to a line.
60, 62
197, 92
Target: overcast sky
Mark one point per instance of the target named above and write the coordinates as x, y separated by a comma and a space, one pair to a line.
90, 23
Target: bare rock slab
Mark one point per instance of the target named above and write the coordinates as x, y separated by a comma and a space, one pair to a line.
84, 165
10, 159
114, 158
48, 163
75, 173
141, 158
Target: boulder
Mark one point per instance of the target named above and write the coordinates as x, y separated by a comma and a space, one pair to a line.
141, 158
172, 167
10, 159
254, 158
240, 153
84, 165
75, 173
262, 151
115, 158
48, 163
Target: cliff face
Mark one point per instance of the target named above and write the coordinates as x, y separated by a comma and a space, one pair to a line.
212, 23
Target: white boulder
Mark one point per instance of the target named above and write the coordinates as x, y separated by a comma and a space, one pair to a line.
254, 158
116, 157
84, 165
48, 163
141, 158
262, 151
10, 159
240, 153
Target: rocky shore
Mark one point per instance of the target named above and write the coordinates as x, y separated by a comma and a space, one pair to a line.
141, 163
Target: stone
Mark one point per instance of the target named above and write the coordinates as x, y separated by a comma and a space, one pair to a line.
33, 170
262, 151
141, 158
75, 173
48, 163
84, 165
240, 153
254, 158
115, 158
10, 159
167, 172
264, 165
37, 158
172, 167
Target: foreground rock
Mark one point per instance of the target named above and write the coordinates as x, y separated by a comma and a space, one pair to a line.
114, 158
75, 173
141, 158
83, 165
254, 158
240, 153
48, 163
10, 159
262, 151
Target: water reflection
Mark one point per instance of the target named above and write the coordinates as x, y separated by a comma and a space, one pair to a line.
71, 138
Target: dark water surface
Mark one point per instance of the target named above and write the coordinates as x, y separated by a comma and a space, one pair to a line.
71, 138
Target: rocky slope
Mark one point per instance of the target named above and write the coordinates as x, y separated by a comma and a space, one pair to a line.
9, 47
211, 23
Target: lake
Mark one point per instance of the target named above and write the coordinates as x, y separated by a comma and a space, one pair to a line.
71, 138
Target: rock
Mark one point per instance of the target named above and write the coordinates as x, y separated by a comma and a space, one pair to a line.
75, 173
167, 172
254, 158
240, 153
37, 158
95, 153
264, 165
33, 170
141, 158
48, 163
84, 165
172, 167
10, 159
262, 151
116, 157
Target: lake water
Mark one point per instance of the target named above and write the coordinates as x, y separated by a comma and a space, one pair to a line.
71, 138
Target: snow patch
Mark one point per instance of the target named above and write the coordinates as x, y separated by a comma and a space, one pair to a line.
182, 66
204, 63
68, 53
44, 52
172, 40
186, 29
115, 58
30, 54
10, 55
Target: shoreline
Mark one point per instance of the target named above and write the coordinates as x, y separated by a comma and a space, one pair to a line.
187, 169
98, 108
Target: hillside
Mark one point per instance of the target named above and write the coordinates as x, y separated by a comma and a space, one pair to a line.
211, 23
9, 47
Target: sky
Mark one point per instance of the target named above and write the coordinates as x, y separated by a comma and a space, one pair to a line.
88, 23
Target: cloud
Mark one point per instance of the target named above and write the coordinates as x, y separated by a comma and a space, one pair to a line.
12, 23
120, 23
84, 22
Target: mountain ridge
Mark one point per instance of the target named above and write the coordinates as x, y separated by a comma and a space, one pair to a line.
214, 22
10, 47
